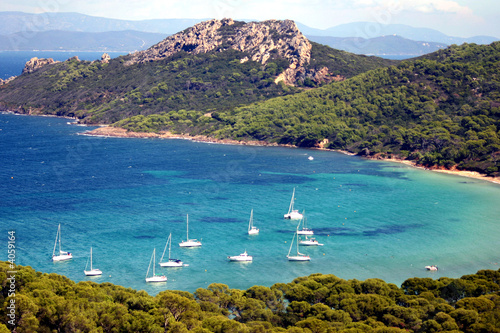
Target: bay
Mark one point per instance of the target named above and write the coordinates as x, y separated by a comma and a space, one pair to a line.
124, 196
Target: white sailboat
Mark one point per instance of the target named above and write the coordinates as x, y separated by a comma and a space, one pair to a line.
62, 255
171, 262
299, 256
310, 242
242, 257
93, 271
293, 214
305, 230
154, 278
251, 229
189, 242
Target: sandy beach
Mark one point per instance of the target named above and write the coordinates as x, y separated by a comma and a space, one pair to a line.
454, 171
108, 131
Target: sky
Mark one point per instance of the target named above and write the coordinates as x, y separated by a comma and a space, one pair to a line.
459, 18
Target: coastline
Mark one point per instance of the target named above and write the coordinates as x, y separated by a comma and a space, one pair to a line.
454, 171
117, 132
108, 131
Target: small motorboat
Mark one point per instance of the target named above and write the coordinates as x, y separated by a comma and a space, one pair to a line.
242, 257
431, 268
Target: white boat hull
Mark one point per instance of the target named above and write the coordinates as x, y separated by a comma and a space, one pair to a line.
253, 231
310, 243
242, 257
238, 258
306, 232
94, 272
299, 258
157, 279
294, 215
190, 243
431, 268
62, 257
172, 264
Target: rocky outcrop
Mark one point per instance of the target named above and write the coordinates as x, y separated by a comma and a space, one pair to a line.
34, 63
105, 58
261, 41
6, 80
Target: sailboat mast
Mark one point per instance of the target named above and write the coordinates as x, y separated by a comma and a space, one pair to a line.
154, 261
291, 202
297, 233
169, 244
291, 245
60, 248
169, 241
55, 243
147, 273
250, 224
187, 227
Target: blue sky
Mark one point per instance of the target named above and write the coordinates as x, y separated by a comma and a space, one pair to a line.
462, 18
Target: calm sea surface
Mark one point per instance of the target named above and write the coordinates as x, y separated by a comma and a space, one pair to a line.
124, 196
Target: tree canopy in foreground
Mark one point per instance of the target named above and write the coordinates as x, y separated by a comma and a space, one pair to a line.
316, 303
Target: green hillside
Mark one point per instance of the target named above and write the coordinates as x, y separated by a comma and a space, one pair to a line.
442, 110
317, 303
439, 110
99, 92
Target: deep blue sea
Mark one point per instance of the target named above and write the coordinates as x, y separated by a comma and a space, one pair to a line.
124, 196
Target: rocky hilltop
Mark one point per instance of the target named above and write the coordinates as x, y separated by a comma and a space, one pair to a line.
35, 63
208, 69
262, 41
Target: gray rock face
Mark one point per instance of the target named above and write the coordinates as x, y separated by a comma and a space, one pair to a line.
262, 40
35, 63
105, 58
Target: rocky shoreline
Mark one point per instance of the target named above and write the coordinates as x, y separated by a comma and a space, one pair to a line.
108, 131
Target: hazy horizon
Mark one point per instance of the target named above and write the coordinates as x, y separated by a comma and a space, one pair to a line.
458, 18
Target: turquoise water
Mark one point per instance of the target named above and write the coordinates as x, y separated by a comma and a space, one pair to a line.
124, 196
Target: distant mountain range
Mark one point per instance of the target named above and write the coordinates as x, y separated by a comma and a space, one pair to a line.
368, 30
13, 22
72, 31
380, 46
57, 40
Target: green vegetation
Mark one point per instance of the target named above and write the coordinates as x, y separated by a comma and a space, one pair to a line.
317, 303
441, 110
216, 81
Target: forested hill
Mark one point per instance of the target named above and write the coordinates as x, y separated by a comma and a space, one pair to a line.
214, 65
441, 110
317, 303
